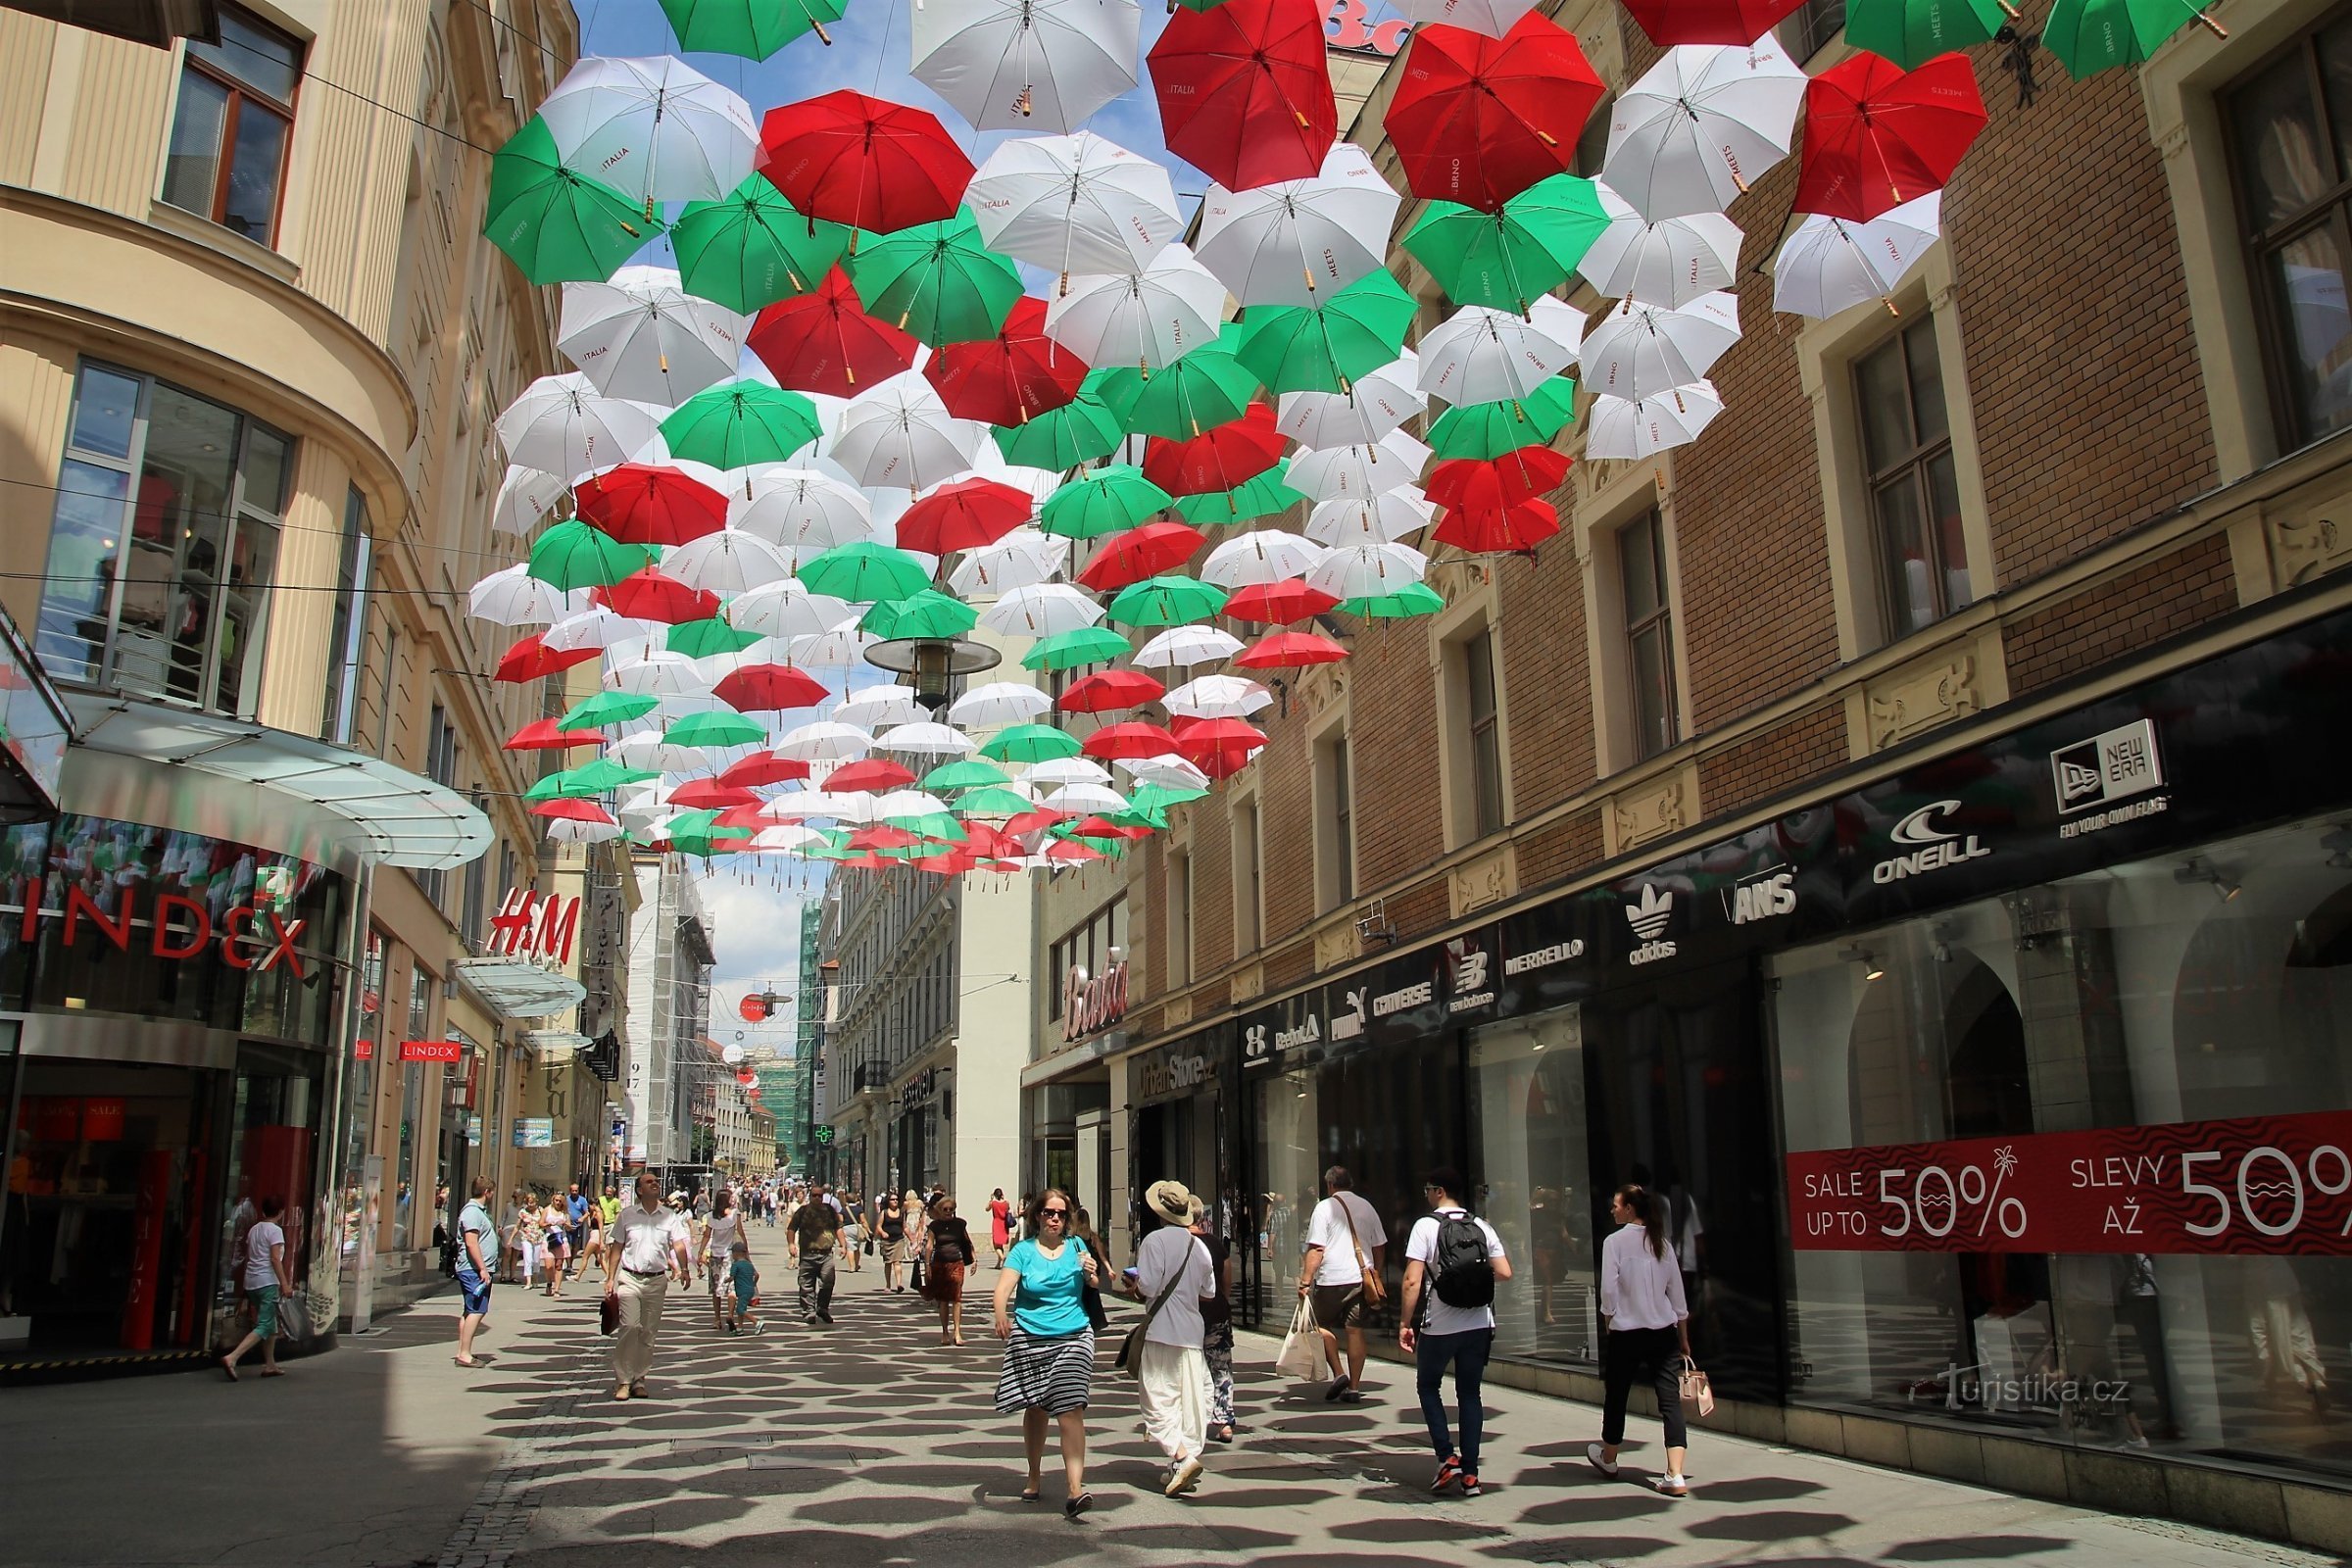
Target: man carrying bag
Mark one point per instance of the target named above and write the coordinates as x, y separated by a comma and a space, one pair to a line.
1164, 1351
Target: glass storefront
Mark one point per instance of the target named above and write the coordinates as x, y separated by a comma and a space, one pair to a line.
1535, 1186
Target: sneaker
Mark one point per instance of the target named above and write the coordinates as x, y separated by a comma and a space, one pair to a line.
826, 1318
1469, 1484
1598, 1458
1673, 1486
1187, 1476
1450, 1471
808, 1318
1338, 1389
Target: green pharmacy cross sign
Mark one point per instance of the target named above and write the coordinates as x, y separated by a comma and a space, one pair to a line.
824, 1135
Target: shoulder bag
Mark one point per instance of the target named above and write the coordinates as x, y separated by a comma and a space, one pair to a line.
1698, 1395
1131, 1349
1376, 1288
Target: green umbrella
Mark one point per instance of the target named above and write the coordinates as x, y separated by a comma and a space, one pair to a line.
558, 226
1108, 499
927, 613
752, 29
865, 572
1031, 743
713, 729
1159, 797
1207, 387
698, 639
1508, 259
589, 778
751, 246
1080, 644
1294, 349
1910, 31
571, 555
1260, 497
2091, 35
964, 775
939, 281
1487, 431
1413, 599
607, 708
736, 424
941, 825
995, 799
1079, 431
701, 833
1166, 602
1108, 849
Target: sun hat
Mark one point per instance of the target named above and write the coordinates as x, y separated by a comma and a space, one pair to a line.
1170, 1200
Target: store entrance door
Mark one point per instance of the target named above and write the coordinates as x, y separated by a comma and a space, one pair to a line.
270, 1153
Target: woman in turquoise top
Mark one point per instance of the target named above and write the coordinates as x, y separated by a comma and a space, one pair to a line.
1049, 1344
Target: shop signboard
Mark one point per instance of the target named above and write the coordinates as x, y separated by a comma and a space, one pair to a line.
2252, 1184
431, 1051
534, 1132
534, 925
1180, 1068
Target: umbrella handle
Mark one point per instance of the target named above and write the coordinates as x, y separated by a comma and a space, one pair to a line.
2218, 31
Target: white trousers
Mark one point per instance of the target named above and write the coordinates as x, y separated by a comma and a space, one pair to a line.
1172, 1383
641, 1297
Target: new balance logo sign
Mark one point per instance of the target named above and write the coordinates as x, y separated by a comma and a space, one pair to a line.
1929, 845
1470, 964
1649, 918
1763, 897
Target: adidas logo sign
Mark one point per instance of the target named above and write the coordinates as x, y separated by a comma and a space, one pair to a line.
1649, 918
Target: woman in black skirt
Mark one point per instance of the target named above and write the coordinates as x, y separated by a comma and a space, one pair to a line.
1049, 1344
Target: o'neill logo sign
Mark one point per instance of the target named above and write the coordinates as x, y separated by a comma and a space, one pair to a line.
529, 925
1088, 1005
178, 928
1649, 918
1928, 845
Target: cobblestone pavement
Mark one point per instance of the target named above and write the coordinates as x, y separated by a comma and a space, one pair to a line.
868, 1444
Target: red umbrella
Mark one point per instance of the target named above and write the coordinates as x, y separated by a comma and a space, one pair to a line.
1044, 816
1010, 379
1220, 747
1063, 850
709, 794
882, 836
645, 504
549, 735
1109, 689
1218, 458
1495, 529
1140, 552
1275, 603
1131, 739
964, 515
654, 595
742, 814
530, 658
872, 774
1477, 120
1095, 827
1877, 136
981, 839
825, 342
1290, 650
865, 162
768, 689
1503, 481
764, 768
571, 811
1733, 22
1245, 90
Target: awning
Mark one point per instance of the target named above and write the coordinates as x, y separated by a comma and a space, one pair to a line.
553, 1046
383, 813
517, 988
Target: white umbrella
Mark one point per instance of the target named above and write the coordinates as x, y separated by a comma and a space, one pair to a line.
1700, 126
1623, 427
1375, 404
998, 704
1260, 556
1182, 647
1066, 770
1087, 798
1479, 354
526, 498
1167, 769
1074, 204
566, 830
1013, 65
796, 507
650, 751
1671, 261
925, 739
1334, 472
598, 627
1218, 696
1022, 559
1641, 351
1494, 17
826, 741
1299, 241
659, 674
653, 128
875, 706
785, 610
1148, 318
1041, 609
1367, 570
643, 336
843, 644
789, 838
803, 806
1830, 264
900, 434
727, 563
1377, 520
562, 426
513, 597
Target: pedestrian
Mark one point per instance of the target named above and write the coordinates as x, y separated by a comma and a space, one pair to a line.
530, 1233
1346, 1250
1082, 1226
1647, 1330
1173, 1274
948, 1244
576, 1207
554, 1221
743, 1289
811, 1239
892, 1225
510, 1231
477, 1261
1216, 1324
852, 1230
656, 1247
589, 1240
1048, 1343
1452, 1260
719, 1235
263, 1280
917, 1207
1000, 1225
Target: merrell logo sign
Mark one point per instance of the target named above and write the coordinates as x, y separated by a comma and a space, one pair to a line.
1091, 1005
1930, 847
1544, 958
1649, 917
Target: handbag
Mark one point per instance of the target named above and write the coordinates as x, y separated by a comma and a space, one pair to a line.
1131, 1349
914, 1273
1698, 1395
607, 1315
1302, 1354
1376, 1288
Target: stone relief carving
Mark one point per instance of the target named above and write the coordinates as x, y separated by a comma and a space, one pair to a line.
1651, 810
1333, 946
1922, 697
1486, 880
1248, 982
2305, 548
1177, 1011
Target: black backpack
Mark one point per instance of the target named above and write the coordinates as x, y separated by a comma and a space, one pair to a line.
1464, 1273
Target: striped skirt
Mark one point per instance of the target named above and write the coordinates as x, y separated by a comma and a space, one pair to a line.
1054, 1375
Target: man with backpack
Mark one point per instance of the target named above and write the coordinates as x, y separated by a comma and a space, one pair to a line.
1452, 1260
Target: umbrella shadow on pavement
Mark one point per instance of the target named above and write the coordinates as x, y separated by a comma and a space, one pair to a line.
1973, 1548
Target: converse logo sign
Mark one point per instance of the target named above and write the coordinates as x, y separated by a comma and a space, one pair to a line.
1649, 918
1403, 999
1930, 845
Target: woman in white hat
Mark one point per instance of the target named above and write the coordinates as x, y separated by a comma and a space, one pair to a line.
1173, 1277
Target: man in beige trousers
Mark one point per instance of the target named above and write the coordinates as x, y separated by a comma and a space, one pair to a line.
653, 1242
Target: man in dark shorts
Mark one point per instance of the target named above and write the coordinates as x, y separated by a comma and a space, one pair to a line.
812, 1239
1344, 1239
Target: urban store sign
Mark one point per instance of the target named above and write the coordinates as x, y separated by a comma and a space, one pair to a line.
178, 928
1088, 1005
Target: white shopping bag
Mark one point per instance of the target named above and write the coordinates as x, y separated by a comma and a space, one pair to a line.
1302, 1354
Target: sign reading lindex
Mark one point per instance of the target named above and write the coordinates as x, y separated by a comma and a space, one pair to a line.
431, 1051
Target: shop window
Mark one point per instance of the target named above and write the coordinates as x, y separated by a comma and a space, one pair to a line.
1913, 479
1527, 1109
2290, 125
1334, 823
347, 636
163, 545
1648, 636
1248, 890
234, 124
441, 767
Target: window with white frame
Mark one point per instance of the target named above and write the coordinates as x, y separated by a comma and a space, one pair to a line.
1179, 917
1648, 636
1479, 734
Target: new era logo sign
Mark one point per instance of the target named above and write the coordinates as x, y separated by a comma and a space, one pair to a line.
1650, 914
2106, 768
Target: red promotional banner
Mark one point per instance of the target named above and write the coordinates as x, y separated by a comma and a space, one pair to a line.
2257, 1184
430, 1050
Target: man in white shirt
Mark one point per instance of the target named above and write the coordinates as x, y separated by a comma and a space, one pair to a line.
1345, 1241
1172, 1376
1439, 1332
655, 1244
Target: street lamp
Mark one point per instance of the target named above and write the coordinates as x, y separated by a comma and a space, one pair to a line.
932, 663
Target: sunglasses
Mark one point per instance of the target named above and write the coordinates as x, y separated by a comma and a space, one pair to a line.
1053, 1214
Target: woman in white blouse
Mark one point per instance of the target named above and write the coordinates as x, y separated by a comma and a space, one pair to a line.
1648, 1325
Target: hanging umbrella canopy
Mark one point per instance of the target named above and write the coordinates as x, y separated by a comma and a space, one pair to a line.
1484, 356
1296, 241
1290, 650
608, 708
643, 336
561, 424
1489, 429
826, 342
1219, 696
643, 504
653, 595
727, 563
1183, 646
1207, 387
1041, 609
826, 741
1669, 263
2094, 36
713, 729
1029, 743
769, 688
1700, 126
1507, 258
1102, 501
1513, 477
546, 735
1142, 320
1081, 430
513, 597
1260, 497
707, 794
653, 128
526, 498
1499, 530
530, 658
1477, 120
1075, 203
572, 811
1245, 90
1107, 691
785, 609
1401, 604
863, 162
796, 509
1067, 649
598, 628
925, 739
751, 248
589, 778
899, 433
1360, 572
939, 281
1131, 739
1877, 135
928, 614
1279, 602
1064, 770
1166, 602
1221, 746
1494, 17
1140, 552
842, 646
558, 225
750, 28
1719, 21
963, 515
1624, 428
1022, 559
867, 571
1166, 780
1379, 519
738, 423
572, 555
1254, 559
1375, 405
872, 775
1830, 264
1911, 32
998, 704
1010, 377
1397, 458
761, 769
1358, 329
1642, 351
1026, 65
1218, 458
